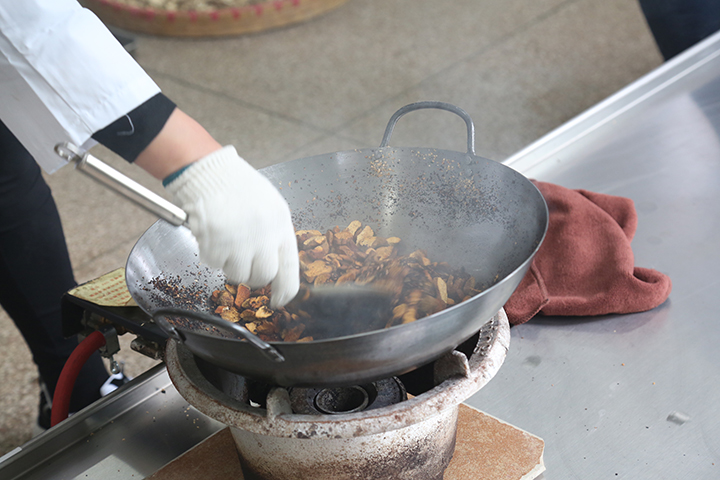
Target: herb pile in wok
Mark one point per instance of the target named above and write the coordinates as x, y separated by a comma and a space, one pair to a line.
418, 285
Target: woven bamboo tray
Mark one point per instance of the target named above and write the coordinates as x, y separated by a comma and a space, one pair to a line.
227, 21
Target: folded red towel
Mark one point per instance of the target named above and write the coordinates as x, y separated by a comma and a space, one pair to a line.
586, 266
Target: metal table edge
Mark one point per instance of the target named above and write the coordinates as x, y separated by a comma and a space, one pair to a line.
56, 440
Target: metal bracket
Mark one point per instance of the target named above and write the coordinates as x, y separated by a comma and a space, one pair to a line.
112, 341
95, 322
149, 349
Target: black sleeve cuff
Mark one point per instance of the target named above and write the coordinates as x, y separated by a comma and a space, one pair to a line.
129, 135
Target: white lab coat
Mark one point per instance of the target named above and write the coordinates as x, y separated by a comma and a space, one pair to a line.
63, 76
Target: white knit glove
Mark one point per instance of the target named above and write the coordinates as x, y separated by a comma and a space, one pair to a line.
241, 222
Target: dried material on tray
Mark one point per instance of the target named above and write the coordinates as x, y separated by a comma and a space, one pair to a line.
420, 287
187, 5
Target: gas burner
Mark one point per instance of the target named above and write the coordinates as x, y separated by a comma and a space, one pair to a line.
369, 431
344, 400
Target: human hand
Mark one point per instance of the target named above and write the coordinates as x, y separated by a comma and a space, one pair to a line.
241, 222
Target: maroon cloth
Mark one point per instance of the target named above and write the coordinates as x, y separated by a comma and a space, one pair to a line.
586, 266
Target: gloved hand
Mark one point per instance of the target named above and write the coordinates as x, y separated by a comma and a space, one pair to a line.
241, 222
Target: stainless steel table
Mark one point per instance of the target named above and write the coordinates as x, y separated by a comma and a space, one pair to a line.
628, 396
129, 434
633, 396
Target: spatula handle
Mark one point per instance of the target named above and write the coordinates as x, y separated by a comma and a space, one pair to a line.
125, 186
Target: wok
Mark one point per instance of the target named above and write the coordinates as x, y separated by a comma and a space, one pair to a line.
459, 208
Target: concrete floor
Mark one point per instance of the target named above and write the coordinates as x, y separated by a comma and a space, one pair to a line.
520, 68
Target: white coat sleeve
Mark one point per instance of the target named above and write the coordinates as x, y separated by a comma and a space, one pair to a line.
63, 76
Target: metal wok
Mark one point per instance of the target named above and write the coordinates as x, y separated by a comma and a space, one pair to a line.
459, 208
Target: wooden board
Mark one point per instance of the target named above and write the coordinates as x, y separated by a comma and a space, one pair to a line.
222, 22
486, 448
490, 448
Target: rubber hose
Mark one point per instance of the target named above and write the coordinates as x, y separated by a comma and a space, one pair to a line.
70, 372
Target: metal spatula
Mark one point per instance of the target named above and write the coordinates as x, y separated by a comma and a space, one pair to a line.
347, 309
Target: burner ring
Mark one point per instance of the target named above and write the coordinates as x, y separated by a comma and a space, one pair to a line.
334, 401
348, 399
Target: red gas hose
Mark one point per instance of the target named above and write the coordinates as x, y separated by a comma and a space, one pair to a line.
70, 372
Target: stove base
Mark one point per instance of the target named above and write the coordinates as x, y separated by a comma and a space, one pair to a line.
421, 451
485, 448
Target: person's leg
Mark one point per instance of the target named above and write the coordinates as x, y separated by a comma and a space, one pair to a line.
680, 24
35, 270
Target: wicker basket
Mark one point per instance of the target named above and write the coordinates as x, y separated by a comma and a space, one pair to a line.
227, 21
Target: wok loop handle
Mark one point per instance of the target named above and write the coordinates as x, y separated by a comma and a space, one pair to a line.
438, 105
158, 315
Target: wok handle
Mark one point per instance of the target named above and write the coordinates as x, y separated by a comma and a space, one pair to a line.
438, 105
268, 350
123, 185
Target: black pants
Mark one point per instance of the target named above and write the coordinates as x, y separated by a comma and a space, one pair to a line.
35, 269
680, 24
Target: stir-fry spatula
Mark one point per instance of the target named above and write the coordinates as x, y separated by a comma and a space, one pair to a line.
347, 309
